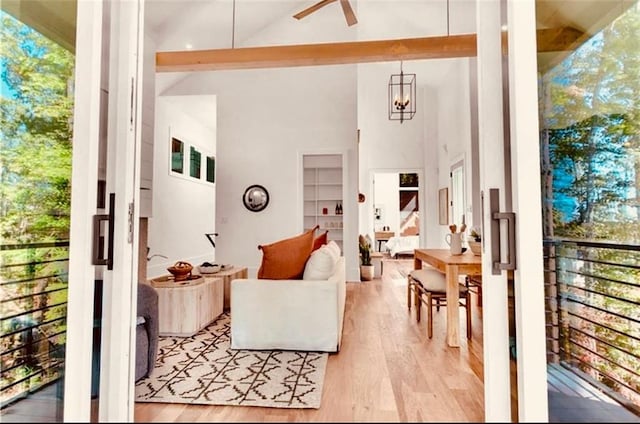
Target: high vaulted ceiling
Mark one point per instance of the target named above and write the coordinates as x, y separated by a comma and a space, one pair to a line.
224, 24
218, 24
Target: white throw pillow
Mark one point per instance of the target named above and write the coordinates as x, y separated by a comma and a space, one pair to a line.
334, 248
320, 265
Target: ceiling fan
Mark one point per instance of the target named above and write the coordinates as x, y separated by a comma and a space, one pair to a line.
349, 15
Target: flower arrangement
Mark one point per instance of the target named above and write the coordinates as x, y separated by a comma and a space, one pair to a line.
475, 234
475, 245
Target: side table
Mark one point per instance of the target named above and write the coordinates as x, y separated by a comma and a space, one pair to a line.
383, 236
228, 275
186, 308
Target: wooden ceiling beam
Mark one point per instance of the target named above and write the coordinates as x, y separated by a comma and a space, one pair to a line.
553, 39
317, 54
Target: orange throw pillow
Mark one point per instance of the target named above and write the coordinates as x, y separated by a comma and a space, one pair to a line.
319, 241
286, 259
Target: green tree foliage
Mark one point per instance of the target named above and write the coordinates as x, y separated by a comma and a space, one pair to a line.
35, 194
590, 120
35, 135
592, 168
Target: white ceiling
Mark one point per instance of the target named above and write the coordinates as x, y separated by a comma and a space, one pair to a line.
211, 24
207, 24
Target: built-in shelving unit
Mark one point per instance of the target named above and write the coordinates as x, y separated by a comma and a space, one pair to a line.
322, 194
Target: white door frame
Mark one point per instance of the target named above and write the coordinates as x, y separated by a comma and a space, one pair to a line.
527, 204
117, 365
86, 127
422, 237
117, 368
525, 183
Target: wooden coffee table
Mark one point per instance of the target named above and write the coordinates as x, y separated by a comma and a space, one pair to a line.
228, 275
184, 308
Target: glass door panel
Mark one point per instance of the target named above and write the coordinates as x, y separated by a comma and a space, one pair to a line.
37, 68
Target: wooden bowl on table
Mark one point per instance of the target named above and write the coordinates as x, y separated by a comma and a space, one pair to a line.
180, 270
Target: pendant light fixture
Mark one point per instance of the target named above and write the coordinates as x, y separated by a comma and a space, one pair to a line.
402, 96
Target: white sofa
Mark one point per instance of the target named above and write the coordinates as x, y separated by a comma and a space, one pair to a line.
304, 315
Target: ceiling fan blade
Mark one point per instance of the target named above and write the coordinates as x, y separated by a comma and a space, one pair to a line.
310, 10
348, 12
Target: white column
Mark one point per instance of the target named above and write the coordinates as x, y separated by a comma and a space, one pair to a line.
492, 175
525, 173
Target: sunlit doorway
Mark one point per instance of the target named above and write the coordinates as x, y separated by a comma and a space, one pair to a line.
396, 212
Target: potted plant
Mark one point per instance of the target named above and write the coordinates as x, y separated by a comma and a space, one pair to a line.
366, 267
475, 241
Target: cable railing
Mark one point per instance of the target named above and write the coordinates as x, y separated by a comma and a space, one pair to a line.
592, 304
33, 300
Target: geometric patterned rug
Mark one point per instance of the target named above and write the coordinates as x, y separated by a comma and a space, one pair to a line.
203, 369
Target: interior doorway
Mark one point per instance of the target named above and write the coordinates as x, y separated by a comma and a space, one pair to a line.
396, 210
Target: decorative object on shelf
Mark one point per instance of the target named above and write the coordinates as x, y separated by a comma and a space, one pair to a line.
325, 211
402, 96
366, 267
180, 270
255, 198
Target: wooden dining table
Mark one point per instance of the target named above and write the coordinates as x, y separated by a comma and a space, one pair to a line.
452, 266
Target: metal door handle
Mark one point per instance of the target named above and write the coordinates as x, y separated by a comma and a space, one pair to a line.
98, 251
496, 216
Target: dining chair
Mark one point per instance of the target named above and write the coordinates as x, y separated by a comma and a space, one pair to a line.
430, 287
474, 284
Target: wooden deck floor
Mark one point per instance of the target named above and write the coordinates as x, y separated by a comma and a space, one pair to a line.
574, 400
387, 370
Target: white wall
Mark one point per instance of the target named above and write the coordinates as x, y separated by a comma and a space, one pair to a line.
266, 118
442, 117
384, 144
184, 209
454, 137
435, 138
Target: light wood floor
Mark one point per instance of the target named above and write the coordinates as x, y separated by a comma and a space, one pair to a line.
387, 369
